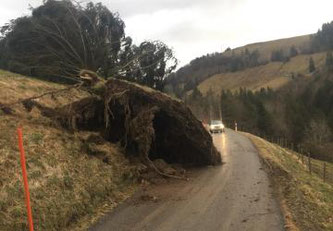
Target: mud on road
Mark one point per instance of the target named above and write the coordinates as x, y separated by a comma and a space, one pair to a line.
234, 196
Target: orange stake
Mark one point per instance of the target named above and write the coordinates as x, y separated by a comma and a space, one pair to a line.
25, 179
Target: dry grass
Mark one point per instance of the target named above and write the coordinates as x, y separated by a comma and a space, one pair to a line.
306, 199
273, 75
265, 48
69, 185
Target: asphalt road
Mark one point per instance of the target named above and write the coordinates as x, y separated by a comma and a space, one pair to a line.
236, 196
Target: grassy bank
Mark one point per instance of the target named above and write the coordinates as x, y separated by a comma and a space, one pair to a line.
306, 200
73, 177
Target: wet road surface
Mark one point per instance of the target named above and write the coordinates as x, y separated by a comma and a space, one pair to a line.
235, 196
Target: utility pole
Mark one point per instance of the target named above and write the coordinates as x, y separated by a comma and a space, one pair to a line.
220, 107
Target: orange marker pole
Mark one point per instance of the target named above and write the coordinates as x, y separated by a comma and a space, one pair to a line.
25, 179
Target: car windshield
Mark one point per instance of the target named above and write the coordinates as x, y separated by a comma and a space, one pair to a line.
216, 122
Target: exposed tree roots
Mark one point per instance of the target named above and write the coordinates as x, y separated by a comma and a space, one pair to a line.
149, 124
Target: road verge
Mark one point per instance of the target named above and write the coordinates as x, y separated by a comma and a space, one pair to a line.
306, 201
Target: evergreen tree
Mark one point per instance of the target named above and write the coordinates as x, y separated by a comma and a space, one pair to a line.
293, 51
60, 38
312, 66
277, 56
323, 39
264, 121
196, 94
329, 60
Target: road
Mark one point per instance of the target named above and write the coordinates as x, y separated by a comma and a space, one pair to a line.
236, 196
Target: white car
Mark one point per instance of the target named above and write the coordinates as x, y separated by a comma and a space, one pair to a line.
216, 126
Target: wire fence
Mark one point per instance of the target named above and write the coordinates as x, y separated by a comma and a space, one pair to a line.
322, 169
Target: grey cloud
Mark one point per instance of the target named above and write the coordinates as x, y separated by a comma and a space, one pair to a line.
128, 8
184, 31
11, 9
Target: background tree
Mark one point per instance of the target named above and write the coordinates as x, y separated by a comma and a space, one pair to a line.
318, 132
156, 62
293, 51
329, 61
312, 66
323, 39
278, 56
60, 38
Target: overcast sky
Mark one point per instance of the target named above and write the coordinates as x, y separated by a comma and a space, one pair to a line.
197, 27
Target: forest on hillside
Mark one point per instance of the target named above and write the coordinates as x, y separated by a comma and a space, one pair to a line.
301, 112
199, 69
191, 75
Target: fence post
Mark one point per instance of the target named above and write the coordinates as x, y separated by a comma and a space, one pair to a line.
309, 163
324, 172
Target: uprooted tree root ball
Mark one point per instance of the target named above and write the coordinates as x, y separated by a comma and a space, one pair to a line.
149, 124
156, 126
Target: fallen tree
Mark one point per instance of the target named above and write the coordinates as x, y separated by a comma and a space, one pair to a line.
147, 123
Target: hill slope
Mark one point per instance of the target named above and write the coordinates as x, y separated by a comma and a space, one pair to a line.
233, 65
71, 179
301, 43
273, 75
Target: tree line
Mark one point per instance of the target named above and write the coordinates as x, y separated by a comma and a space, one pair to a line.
301, 112
199, 69
60, 38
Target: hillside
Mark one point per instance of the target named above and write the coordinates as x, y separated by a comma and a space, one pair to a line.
63, 167
273, 74
301, 43
306, 200
247, 66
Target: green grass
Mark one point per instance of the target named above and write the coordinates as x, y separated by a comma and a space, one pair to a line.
307, 199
